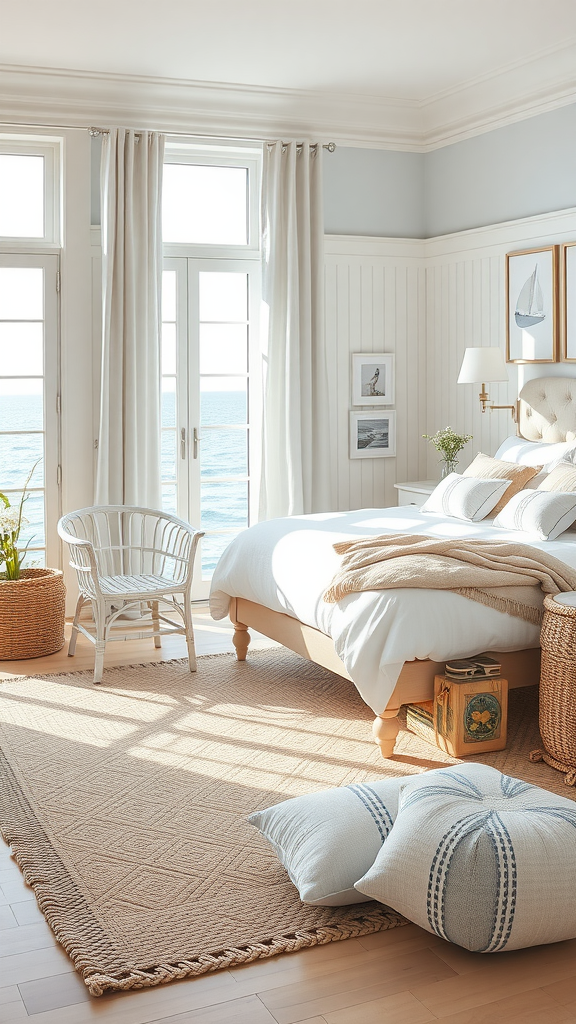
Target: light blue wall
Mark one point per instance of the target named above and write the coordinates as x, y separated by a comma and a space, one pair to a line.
374, 192
522, 170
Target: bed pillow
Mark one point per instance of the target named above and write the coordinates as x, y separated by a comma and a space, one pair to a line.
327, 841
535, 453
480, 859
561, 478
465, 497
485, 468
545, 514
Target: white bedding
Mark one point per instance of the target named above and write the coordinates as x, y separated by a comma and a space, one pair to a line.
286, 565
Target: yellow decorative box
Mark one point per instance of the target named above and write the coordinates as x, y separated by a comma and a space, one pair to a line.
470, 715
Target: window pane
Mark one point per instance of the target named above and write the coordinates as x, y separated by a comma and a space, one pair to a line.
21, 349
223, 296
212, 547
169, 498
223, 348
21, 293
205, 204
224, 453
169, 295
223, 401
21, 405
18, 453
224, 505
168, 401
21, 196
168, 348
33, 530
168, 455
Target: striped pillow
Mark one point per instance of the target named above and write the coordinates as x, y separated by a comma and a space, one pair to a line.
485, 468
326, 841
480, 859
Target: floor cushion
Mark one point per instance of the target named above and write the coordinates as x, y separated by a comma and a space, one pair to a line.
327, 840
481, 859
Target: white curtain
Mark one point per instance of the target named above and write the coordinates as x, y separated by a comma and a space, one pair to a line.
296, 433
128, 465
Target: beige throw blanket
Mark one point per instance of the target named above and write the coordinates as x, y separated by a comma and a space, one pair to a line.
510, 577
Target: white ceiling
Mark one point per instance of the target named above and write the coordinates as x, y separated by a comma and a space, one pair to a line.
401, 49
402, 74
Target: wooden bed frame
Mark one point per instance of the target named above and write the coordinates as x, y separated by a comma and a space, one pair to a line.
546, 412
415, 684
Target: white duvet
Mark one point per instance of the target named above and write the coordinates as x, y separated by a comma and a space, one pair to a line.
287, 564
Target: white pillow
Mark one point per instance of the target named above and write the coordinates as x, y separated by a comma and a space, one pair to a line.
480, 859
465, 497
546, 514
326, 841
535, 453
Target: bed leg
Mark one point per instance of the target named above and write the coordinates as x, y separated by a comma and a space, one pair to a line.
385, 730
241, 640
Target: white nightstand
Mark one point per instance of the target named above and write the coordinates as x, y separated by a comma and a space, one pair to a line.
415, 492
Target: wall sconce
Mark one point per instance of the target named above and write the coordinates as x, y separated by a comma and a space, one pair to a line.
485, 366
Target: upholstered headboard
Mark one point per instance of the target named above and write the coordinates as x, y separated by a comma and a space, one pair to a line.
547, 409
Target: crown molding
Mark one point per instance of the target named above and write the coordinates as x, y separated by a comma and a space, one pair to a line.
35, 95
54, 96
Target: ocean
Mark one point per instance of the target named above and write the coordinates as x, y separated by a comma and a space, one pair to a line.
223, 453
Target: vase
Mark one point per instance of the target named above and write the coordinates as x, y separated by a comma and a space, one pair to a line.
448, 467
32, 614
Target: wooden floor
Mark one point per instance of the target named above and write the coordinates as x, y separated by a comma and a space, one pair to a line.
404, 976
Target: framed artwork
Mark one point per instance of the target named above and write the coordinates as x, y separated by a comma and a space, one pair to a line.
372, 435
569, 302
372, 378
532, 305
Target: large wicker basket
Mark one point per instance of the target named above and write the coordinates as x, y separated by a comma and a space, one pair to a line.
32, 614
558, 689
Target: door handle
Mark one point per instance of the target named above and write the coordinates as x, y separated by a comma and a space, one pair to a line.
197, 438
183, 443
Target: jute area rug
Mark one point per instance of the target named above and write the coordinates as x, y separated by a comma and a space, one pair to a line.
126, 806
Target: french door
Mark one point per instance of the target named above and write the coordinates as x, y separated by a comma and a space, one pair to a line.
29, 398
210, 400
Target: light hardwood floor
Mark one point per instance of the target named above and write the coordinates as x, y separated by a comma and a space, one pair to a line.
404, 976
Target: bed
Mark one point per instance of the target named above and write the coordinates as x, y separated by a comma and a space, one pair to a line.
391, 643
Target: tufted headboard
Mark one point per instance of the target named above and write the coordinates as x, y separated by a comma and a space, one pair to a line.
547, 409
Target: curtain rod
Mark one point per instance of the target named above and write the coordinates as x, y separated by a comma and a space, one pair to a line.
330, 146
95, 132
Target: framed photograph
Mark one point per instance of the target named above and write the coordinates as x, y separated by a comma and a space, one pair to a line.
569, 302
372, 378
372, 435
532, 305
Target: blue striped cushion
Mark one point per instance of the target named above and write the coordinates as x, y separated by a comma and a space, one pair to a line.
480, 859
326, 841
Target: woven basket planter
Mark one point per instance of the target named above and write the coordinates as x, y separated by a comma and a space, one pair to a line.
558, 690
32, 614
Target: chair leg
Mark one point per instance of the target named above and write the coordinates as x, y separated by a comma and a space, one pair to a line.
155, 623
189, 633
74, 633
100, 623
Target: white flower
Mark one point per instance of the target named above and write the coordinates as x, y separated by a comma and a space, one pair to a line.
9, 521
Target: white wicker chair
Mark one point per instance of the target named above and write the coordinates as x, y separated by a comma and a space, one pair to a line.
124, 557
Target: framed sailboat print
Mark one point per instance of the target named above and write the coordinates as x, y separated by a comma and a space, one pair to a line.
569, 302
532, 305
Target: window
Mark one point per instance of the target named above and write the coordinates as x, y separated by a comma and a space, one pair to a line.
210, 305
29, 191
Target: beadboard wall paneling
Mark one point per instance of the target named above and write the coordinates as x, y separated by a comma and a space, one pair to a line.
375, 302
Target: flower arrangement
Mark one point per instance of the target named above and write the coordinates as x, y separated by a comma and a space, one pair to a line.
12, 520
448, 443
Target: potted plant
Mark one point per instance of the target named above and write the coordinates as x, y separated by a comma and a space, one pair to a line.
31, 600
448, 443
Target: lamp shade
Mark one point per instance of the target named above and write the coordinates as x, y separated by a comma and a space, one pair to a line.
482, 365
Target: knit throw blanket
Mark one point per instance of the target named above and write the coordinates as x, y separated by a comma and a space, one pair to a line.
512, 578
